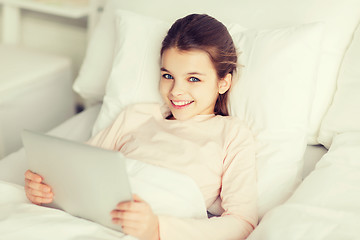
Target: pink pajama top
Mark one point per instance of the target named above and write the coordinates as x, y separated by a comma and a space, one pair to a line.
216, 152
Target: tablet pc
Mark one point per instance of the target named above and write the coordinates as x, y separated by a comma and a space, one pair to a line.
87, 181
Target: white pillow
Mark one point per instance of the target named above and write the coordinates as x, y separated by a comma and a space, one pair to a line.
167, 190
326, 204
344, 113
97, 64
274, 94
135, 74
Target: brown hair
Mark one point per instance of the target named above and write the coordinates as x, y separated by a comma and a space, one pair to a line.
200, 31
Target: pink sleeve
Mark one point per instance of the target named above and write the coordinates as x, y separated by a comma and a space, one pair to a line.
238, 194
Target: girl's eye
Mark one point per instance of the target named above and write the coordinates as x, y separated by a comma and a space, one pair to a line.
194, 79
167, 76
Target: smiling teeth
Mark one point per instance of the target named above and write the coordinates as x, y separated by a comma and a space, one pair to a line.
181, 103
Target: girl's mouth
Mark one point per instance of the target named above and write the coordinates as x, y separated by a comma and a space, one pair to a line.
180, 104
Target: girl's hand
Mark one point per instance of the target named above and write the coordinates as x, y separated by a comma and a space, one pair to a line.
137, 219
37, 191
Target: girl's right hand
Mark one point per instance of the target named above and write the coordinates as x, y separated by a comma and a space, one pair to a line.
37, 191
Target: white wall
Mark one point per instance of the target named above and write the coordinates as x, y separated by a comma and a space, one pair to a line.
57, 35
0, 22
54, 34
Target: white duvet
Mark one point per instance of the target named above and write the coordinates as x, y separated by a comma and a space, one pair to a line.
326, 206
167, 192
20, 219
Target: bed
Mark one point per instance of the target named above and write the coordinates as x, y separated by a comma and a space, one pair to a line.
302, 106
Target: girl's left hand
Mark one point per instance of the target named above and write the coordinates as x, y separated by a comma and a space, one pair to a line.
137, 219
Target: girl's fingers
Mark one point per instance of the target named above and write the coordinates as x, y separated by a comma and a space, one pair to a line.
38, 186
126, 222
33, 176
38, 193
137, 198
132, 206
136, 203
131, 216
38, 200
136, 218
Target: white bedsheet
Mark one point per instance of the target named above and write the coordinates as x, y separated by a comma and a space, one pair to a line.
20, 219
169, 193
326, 206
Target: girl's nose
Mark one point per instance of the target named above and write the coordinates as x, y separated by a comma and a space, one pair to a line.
177, 89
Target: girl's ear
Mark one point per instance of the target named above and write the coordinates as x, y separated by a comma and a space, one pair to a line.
225, 83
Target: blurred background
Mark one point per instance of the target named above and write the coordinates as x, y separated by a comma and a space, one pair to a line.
43, 44
65, 35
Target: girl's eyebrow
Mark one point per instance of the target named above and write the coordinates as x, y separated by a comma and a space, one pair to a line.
196, 73
190, 73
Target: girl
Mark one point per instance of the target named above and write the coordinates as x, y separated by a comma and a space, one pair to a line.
192, 133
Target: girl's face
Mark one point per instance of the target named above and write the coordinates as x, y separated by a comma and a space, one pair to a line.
189, 84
